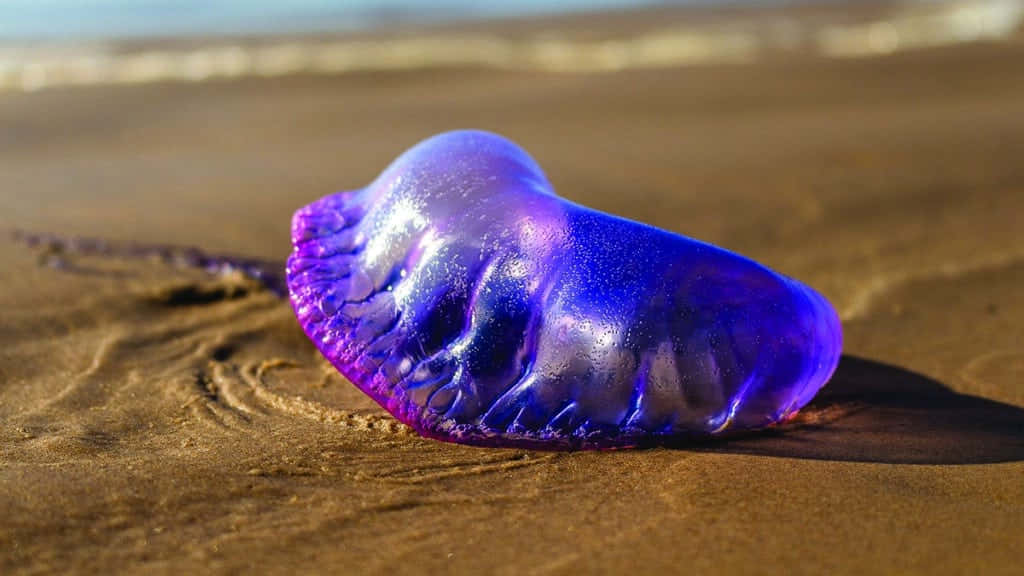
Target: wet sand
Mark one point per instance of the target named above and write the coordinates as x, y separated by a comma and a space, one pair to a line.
158, 420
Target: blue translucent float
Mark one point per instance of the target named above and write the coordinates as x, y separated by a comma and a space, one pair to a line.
479, 307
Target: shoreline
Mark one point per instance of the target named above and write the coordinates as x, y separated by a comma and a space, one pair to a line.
670, 38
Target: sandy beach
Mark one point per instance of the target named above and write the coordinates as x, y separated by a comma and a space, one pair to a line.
157, 420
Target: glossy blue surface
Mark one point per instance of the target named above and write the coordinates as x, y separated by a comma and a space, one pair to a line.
477, 306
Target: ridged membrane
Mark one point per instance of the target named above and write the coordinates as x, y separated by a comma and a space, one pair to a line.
477, 306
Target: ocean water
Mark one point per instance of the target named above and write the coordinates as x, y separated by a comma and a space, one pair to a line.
50, 43
92, 19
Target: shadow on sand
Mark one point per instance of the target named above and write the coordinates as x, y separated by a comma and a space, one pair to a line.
873, 412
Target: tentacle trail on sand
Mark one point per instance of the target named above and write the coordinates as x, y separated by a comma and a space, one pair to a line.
268, 273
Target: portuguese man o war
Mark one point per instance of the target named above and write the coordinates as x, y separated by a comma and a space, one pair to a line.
476, 306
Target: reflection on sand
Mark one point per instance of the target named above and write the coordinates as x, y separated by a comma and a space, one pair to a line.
732, 39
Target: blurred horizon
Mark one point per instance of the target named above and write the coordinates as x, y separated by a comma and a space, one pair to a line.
50, 20
698, 33
129, 19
